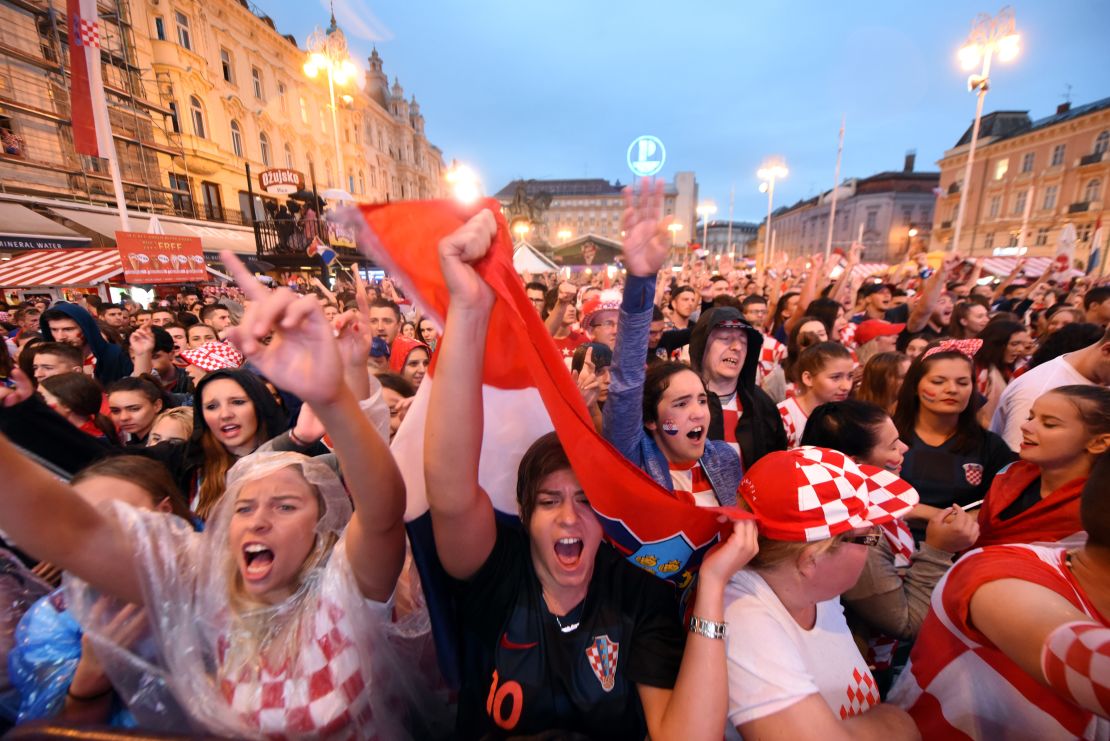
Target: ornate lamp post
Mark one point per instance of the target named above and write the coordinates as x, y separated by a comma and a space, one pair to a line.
328, 54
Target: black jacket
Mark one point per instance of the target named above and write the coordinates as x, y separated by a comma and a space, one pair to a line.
760, 429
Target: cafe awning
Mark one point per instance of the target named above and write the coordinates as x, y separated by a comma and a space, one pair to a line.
24, 229
65, 268
214, 236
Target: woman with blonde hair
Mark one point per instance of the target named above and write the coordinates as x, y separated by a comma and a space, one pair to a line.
172, 424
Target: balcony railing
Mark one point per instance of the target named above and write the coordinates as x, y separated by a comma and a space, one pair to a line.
1091, 159
1078, 208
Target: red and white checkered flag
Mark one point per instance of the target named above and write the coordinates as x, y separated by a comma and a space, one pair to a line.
92, 130
1076, 663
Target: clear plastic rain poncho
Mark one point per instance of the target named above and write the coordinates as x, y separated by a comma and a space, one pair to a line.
325, 663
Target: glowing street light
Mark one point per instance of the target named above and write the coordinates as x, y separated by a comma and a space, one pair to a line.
705, 210
328, 54
772, 169
989, 36
674, 228
464, 182
564, 234
520, 229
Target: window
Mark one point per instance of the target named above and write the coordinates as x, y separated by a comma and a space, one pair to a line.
1019, 202
1001, 168
182, 201
1050, 197
1102, 143
350, 181
1013, 240
213, 204
1027, 161
330, 173
264, 148
872, 220
197, 112
226, 66
1083, 233
304, 111
907, 216
347, 135
1093, 191
175, 122
988, 241
183, 36
236, 138
361, 182
160, 28
1042, 236
995, 207
288, 156
281, 98
256, 80
1058, 154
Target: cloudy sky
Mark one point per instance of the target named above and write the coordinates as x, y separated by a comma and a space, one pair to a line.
560, 89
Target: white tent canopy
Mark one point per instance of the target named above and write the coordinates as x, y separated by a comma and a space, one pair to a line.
528, 258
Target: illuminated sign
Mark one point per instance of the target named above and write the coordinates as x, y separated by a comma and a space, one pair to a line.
646, 156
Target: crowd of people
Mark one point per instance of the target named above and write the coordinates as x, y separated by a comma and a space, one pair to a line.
204, 524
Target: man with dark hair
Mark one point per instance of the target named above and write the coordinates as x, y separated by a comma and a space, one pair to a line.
1096, 302
655, 333
114, 316
537, 294
217, 317
53, 359
385, 319
163, 315
198, 334
876, 299
26, 320
179, 337
142, 318
153, 350
69, 323
684, 300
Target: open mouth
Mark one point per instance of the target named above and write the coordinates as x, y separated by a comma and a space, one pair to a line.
230, 430
695, 433
568, 551
731, 362
259, 560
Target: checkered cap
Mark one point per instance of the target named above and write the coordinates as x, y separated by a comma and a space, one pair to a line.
212, 356
809, 494
605, 301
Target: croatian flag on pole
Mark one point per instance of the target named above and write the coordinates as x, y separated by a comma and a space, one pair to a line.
92, 131
527, 392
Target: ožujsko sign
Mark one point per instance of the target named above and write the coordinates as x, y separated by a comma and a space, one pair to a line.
281, 181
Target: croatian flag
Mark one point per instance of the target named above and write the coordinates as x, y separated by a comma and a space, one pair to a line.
316, 248
1094, 263
92, 130
527, 392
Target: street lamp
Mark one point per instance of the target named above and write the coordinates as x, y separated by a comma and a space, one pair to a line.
521, 229
988, 36
464, 182
772, 169
674, 228
705, 210
328, 53
564, 235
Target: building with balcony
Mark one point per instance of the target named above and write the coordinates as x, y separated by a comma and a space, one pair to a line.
556, 211
891, 213
1029, 179
197, 92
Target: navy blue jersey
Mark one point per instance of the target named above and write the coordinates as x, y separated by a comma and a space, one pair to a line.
522, 674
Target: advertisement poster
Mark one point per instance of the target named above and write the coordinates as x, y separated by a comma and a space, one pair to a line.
160, 258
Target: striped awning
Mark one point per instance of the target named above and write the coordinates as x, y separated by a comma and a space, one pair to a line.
1034, 266
867, 269
82, 267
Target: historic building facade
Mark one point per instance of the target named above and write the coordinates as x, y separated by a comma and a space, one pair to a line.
1028, 180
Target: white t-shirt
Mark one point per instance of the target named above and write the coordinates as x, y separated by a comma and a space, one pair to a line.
1017, 399
774, 663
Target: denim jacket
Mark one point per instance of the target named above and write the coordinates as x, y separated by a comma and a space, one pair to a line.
623, 416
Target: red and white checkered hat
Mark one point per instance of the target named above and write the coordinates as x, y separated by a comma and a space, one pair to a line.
605, 301
809, 494
213, 356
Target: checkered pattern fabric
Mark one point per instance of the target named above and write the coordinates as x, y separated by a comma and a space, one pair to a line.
605, 301
213, 356
323, 693
692, 485
973, 473
898, 535
730, 417
848, 335
862, 694
966, 347
602, 655
1076, 663
771, 354
809, 494
86, 33
793, 421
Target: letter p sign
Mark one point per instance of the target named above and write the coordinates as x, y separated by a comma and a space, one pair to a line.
646, 156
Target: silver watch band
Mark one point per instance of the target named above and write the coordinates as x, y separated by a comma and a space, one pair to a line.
708, 628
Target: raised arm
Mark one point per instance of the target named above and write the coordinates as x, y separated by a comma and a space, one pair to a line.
555, 319
48, 520
462, 515
303, 358
934, 287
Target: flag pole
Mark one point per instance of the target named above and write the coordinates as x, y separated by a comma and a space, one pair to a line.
836, 187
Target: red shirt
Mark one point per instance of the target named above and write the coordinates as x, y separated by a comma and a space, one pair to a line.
1052, 519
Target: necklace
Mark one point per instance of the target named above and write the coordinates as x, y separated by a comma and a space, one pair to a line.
573, 619
570, 627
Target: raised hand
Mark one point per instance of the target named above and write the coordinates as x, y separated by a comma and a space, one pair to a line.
21, 389
457, 251
142, 341
646, 239
303, 356
726, 558
589, 385
951, 261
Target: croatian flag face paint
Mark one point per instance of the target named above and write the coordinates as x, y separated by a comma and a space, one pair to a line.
669, 427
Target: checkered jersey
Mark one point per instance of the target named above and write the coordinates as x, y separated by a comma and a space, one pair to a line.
862, 693
771, 354
692, 485
731, 412
322, 692
848, 335
793, 421
1076, 662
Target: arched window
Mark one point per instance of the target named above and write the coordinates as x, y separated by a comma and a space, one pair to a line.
197, 113
1102, 142
350, 181
236, 138
288, 156
329, 173
264, 148
1094, 190
361, 182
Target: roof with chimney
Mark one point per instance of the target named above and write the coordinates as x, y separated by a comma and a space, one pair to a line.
580, 187
1000, 125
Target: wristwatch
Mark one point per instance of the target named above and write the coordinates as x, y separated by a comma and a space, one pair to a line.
708, 628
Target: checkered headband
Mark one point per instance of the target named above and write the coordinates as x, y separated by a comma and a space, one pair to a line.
213, 356
809, 494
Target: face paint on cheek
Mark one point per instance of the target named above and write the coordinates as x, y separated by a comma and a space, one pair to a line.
669, 427
928, 395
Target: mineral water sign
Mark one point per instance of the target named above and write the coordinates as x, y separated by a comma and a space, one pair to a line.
646, 156
281, 181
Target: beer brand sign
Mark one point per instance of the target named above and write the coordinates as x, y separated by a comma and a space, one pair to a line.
281, 181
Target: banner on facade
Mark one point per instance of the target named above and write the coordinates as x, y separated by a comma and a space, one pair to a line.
281, 181
160, 258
